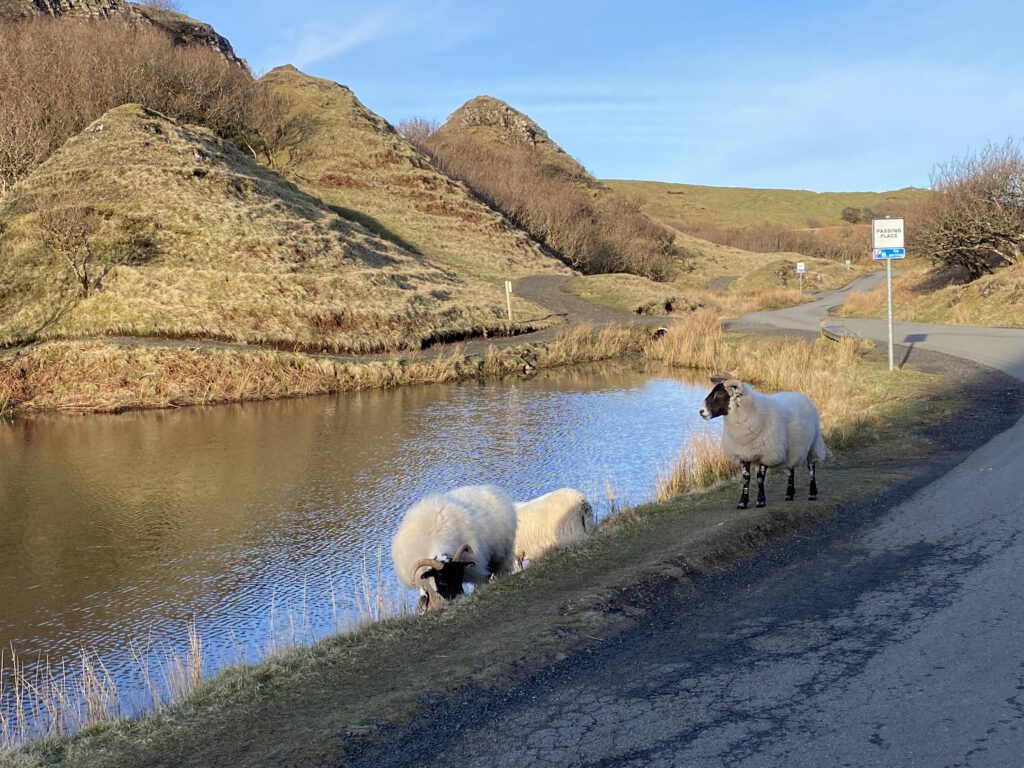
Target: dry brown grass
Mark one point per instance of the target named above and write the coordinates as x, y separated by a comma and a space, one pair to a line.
101, 376
700, 465
188, 238
995, 300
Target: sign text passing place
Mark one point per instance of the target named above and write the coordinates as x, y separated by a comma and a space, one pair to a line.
887, 233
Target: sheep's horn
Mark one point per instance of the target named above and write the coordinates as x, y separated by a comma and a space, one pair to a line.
427, 562
733, 384
461, 551
718, 378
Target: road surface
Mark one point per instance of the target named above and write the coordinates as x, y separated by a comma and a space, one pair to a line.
891, 635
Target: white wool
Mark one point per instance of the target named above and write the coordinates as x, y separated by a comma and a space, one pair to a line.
555, 519
780, 430
481, 516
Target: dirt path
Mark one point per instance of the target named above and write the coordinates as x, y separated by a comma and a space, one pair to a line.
889, 635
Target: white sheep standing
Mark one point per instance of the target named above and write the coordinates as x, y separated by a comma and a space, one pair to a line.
779, 430
466, 534
555, 519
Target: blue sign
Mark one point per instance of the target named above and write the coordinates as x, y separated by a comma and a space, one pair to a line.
889, 253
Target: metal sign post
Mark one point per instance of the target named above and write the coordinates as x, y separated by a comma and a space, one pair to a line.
887, 244
800, 269
508, 299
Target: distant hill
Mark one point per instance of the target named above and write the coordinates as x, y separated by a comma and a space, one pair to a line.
339, 150
182, 29
142, 226
684, 205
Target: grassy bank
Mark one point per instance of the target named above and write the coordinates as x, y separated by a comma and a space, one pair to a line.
300, 707
919, 296
109, 377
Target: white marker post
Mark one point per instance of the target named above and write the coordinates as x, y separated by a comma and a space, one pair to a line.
800, 269
887, 244
508, 299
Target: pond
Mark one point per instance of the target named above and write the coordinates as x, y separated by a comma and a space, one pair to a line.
263, 520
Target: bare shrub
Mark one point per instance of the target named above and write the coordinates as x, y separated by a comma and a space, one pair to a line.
104, 64
592, 230
416, 130
974, 218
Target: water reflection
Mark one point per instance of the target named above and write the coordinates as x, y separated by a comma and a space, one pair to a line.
125, 526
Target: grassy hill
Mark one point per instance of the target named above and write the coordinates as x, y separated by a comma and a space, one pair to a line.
684, 205
510, 162
145, 227
345, 154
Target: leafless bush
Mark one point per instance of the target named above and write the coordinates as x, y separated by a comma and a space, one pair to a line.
974, 218
163, 5
90, 238
592, 231
416, 130
104, 64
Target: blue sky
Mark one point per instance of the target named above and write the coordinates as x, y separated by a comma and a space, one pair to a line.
856, 96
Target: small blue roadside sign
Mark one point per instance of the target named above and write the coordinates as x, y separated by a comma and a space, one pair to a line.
889, 253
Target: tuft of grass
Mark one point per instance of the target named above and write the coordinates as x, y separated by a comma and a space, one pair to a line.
700, 465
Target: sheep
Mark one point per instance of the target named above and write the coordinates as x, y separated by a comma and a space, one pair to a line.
466, 534
555, 519
779, 430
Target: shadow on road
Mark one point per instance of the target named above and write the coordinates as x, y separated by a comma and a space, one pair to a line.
911, 339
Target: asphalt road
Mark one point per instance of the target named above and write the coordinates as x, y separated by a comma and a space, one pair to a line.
891, 635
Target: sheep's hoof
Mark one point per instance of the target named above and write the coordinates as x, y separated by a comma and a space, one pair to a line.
761, 503
789, 497
813, 498
741, 505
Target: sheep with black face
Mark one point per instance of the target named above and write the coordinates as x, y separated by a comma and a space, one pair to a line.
779, 430
447, 539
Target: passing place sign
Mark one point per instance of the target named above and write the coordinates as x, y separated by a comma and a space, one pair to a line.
887, 233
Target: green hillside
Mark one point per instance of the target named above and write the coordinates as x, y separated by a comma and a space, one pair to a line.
685, 205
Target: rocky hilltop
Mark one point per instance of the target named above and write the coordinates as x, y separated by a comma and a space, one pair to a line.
489, 120
182, 29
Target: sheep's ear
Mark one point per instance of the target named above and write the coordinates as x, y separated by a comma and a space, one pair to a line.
733, 386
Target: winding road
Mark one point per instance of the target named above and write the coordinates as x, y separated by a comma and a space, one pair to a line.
890, 635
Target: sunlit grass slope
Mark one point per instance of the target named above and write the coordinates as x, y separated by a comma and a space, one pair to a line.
680, 205
182, 235
341, 151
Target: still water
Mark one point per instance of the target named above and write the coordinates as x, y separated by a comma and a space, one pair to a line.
126, 527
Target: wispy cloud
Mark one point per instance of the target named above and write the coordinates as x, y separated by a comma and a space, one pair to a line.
430, 26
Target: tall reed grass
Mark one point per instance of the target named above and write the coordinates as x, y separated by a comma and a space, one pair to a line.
41, 697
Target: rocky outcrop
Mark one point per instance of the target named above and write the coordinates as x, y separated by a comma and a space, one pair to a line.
182, 29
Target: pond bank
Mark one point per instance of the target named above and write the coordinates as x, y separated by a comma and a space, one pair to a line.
313, 701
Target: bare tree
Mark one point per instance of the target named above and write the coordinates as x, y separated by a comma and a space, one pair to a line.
416, 130
974, 217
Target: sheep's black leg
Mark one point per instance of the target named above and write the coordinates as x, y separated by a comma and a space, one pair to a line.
762, 470
813, 491
790, 485
745, 496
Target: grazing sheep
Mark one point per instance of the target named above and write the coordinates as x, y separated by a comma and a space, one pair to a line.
779, 430
445, 539
552, 520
